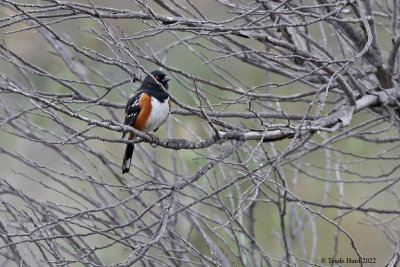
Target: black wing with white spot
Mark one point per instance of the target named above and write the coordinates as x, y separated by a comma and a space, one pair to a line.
132, 109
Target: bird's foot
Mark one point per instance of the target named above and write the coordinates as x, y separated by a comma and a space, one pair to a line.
154, 140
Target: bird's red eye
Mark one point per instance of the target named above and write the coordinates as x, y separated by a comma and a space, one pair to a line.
157, 78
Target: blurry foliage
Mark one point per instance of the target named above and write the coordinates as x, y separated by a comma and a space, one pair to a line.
273, 203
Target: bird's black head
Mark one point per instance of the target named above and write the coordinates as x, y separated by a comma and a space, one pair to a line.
159, 76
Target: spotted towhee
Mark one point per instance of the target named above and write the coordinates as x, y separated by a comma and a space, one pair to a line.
146, 110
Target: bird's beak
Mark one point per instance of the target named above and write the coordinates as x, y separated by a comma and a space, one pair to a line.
165, 79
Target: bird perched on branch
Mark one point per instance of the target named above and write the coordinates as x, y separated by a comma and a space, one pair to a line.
146, 110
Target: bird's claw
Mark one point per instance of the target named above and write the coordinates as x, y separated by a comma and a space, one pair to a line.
154, 140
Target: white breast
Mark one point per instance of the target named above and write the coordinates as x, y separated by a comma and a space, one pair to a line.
158, 115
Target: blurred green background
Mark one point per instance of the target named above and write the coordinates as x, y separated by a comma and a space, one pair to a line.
304, 182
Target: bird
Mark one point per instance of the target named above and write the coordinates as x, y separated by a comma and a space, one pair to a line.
146, 110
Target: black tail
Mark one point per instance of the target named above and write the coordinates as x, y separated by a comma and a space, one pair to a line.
127, 158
